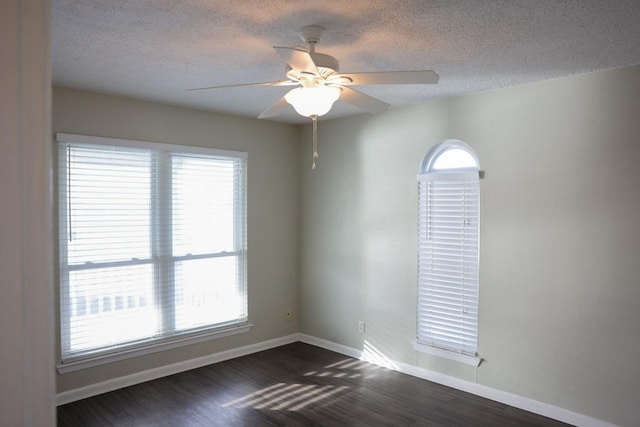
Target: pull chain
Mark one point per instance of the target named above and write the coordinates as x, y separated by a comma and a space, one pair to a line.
314, 119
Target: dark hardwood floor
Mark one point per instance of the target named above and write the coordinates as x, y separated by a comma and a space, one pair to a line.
294, 385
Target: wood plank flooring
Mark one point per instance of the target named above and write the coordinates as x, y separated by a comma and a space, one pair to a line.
293, 385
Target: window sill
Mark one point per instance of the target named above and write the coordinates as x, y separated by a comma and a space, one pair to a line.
458, 357
77, 365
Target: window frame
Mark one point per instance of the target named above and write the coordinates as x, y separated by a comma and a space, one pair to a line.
427, 172
178, 338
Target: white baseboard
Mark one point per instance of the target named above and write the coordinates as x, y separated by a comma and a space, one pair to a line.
163, 371
507, 398
511, 399
330, 345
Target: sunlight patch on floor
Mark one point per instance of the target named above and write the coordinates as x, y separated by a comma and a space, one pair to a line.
294, 397
347, 368
332, 374
288, 397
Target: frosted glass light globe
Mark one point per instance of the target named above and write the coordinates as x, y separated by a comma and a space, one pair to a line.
310, 101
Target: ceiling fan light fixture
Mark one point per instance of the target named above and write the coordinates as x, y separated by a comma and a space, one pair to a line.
313, 101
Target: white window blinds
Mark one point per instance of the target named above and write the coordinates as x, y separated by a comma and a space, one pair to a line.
152, 243
448, 260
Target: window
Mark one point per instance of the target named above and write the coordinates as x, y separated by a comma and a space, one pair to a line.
448, 270
152, 244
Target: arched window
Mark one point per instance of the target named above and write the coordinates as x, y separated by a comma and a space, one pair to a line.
448, 242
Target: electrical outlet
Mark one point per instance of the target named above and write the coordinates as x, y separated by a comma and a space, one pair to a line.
361, 326
288, 315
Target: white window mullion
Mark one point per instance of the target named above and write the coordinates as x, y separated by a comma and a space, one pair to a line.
162, 212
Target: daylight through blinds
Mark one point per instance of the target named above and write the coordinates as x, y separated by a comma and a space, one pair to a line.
152, 244
448, 249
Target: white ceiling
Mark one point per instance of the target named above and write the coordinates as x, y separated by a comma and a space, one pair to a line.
155, 49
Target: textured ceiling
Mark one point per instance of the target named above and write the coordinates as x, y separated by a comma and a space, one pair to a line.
155, 49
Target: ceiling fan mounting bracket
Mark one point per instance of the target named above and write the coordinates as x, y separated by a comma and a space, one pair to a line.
311, 34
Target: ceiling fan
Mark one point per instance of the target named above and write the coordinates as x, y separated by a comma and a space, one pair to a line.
320, 84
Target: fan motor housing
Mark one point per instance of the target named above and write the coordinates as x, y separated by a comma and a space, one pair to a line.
326, 64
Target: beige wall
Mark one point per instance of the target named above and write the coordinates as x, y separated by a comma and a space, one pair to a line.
272, 217
26, 303
560, 296
560, 238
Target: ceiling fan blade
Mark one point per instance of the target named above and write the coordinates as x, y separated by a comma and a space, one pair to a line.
298, 59
275, 109
362, 101
280, 83
392, 77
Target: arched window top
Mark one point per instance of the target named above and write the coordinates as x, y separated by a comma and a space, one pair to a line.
450, 155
